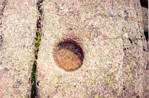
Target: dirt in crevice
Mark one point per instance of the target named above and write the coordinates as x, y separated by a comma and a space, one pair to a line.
37, 45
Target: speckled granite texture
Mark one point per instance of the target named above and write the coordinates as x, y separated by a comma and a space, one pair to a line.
17, 33
110, 33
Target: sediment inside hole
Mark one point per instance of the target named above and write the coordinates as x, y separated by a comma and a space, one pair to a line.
68, 55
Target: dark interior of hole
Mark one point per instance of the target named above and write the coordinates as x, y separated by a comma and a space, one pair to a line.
144, 3
146, 35
72, 46
138, 96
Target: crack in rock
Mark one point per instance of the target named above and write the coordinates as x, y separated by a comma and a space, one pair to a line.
2, 8
34, 93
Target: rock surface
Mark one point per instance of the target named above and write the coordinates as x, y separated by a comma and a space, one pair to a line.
111, 35
145, 18
17, 33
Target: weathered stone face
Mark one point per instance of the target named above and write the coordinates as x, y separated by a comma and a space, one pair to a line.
17, 27
145, 18
111, 35
82, 49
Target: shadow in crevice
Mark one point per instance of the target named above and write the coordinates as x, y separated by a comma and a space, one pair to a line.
37, 45
144, 3
146, 35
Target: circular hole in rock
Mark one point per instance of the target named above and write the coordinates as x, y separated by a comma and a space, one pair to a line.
68, 55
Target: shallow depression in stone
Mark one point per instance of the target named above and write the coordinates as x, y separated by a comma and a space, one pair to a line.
68, 55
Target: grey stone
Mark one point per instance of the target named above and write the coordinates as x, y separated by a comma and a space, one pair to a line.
110, 33
17, 29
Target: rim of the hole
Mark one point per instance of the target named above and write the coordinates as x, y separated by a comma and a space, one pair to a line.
71, 45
